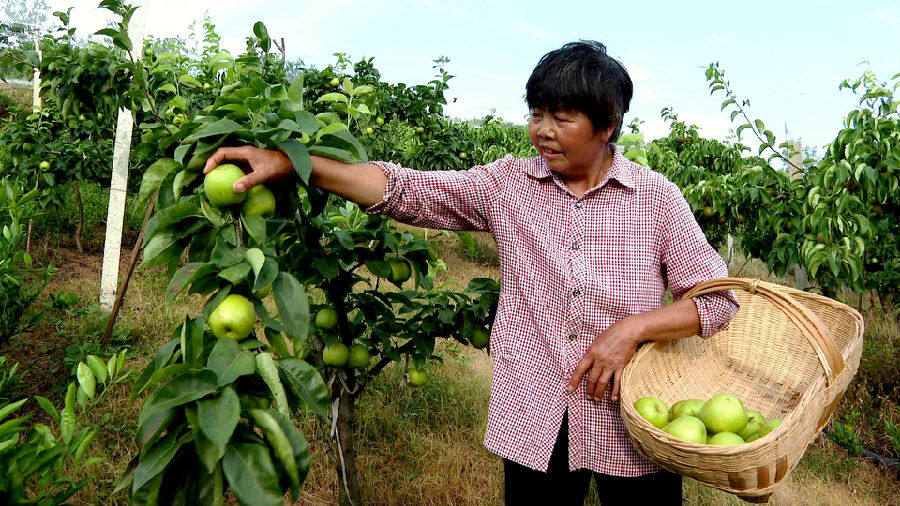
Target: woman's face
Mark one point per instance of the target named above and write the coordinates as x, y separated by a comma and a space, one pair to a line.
567, 142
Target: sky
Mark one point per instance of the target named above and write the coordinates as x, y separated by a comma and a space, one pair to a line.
786, 57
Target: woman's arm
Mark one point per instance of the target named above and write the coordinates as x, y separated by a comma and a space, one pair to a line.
613, 349
448, 200
362, 183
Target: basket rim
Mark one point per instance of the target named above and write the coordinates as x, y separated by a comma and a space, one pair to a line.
816, 332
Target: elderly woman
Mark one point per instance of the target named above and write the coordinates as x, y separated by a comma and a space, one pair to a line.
589, 241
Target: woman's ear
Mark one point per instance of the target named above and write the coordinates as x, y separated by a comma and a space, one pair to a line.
606, 133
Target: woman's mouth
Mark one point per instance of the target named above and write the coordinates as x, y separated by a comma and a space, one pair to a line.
550, 153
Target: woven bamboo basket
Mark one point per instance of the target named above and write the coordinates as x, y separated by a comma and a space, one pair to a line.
787, 354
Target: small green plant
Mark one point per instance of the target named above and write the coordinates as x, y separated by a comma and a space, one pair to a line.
893, 434
9, 381
36, 462
64, 301
844, 434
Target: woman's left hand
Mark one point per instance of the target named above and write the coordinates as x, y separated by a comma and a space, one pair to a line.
606, 358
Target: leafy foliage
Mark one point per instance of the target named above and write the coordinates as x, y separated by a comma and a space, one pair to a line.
36, 461
20, 281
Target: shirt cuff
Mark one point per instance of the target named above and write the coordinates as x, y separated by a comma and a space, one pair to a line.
715, 311
391, 188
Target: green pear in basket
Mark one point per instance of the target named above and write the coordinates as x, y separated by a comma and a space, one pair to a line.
653, 409
724, 413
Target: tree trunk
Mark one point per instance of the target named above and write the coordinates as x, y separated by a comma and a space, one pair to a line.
887, 302
345, 453
37, 181
80, 226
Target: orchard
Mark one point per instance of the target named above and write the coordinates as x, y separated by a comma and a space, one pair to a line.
261, 331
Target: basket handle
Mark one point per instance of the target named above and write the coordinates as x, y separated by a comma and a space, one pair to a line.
813, 328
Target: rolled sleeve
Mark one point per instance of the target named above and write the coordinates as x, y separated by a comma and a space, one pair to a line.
383, 206
715, 310
689, 260
447, 200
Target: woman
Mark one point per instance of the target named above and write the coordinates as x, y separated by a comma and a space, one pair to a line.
588, 241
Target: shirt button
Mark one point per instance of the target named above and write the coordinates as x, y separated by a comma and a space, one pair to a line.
573, 337
575, 246
579, 205
576, 292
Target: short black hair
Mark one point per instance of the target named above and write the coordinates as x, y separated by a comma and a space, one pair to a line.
580, 76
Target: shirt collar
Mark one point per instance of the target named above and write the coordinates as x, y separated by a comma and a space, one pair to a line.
620, 170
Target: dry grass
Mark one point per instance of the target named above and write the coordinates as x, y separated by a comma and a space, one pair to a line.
21, 94
416, 445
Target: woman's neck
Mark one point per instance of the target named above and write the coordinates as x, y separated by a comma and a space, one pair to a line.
582, 181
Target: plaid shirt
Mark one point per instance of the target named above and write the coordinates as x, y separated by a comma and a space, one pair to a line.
570, 267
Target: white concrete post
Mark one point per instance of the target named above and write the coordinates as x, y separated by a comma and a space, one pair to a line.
36, 87
800, 276
109, 278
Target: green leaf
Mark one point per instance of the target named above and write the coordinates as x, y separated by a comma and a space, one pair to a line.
345, 239
306, 384
329, 267
153, 426
236, 273
185, 276
192, 340
171, 215
278, 440
229, 362
299, 156
259, 29
295, 90
333, 97
153, 178
121, 41
308, 121
277, 341
183, 388
221, 127
267, 275
207, 452
211, 489
212, 213
293, 305
157, 458
86, 379
265, 366
189, 79
251, 475
46, 405
256, 227
9, 408
340, 155
256, 258
226, 256
97, 367
218, 417
342, 139
380, 268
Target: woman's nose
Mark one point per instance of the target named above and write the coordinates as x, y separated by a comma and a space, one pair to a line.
545, 130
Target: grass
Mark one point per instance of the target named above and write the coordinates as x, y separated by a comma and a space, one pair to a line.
57, 226
19, 94
416, 445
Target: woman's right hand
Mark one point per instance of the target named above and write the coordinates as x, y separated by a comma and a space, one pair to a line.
266, 165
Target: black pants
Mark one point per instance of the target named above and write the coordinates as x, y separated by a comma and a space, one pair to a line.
559, 486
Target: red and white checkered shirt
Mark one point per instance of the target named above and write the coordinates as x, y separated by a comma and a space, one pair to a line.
570, 267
